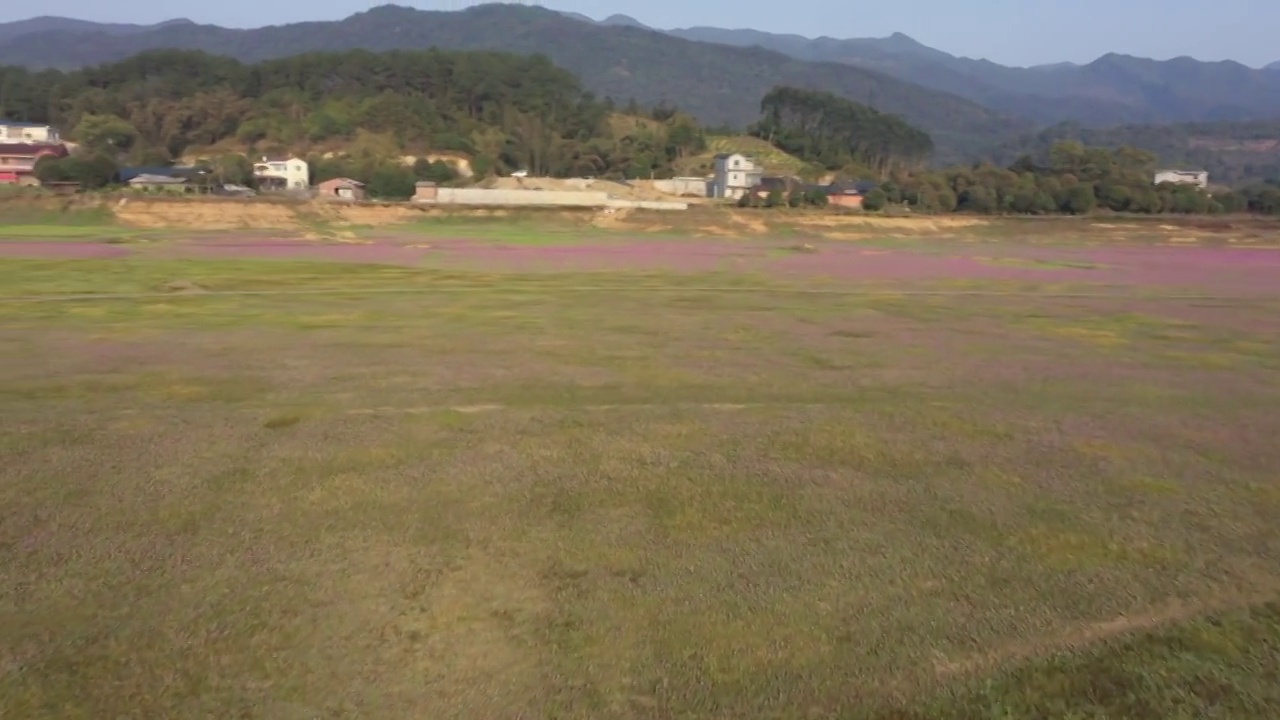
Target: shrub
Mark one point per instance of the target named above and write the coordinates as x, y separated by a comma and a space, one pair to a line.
875, 200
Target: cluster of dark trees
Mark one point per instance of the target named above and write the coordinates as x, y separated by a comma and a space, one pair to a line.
839, 134
505, 111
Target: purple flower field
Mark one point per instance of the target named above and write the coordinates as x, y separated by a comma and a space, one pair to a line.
1204, 269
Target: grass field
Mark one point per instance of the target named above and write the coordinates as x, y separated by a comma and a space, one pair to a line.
265, 489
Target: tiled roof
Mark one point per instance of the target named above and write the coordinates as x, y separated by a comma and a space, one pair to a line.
146, 179
33, 149
129, 173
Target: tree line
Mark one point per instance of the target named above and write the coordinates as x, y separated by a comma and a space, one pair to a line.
1236, 153
1076, 179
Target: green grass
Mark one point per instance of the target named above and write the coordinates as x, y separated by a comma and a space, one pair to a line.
18, 212
1220, 665
503, 496
26, 221
55, 232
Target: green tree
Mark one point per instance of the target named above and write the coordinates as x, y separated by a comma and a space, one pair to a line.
91, 171
438, 171
1232, 202
1144, 200
1115, 196
392, 181
105, 133
875, 200
979, 200
1079, 200
774, 198
235, 169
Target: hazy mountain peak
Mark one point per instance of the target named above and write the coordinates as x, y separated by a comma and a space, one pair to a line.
620, 20
577, 16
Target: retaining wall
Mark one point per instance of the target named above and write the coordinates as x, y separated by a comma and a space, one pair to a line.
684, 186
541, 198
647, 205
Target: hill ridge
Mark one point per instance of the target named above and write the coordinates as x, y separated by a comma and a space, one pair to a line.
618, 62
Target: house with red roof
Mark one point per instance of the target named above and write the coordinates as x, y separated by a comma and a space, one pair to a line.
18, 160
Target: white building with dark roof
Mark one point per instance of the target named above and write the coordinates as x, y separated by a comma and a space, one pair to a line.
23, 132
1199, 178
735, 175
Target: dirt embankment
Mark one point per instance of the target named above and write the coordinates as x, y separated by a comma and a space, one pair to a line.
214, 214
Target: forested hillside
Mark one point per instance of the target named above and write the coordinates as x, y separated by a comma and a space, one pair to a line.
506, 111
715, 83
837, 133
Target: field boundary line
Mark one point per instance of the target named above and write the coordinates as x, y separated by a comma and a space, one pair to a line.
630, 289
478, 408
1085, 636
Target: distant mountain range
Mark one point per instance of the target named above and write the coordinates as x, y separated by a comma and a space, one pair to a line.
720, 75
1111, 90
45, 23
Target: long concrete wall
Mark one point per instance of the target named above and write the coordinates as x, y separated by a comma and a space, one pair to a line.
647, 205
482, 196
541, 198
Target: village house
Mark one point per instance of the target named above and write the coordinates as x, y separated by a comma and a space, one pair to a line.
23, 132
735, 174
1199, 178
159, 183
340, 189
289, 173
18, 160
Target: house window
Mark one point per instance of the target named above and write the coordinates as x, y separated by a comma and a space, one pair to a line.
737, 163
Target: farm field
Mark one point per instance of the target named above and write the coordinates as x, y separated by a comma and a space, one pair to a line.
481, 471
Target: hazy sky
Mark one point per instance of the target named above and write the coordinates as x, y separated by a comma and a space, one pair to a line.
1020, 32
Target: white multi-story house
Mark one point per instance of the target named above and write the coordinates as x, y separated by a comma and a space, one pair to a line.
283, 173
735, 175
1199, 178
23, 132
